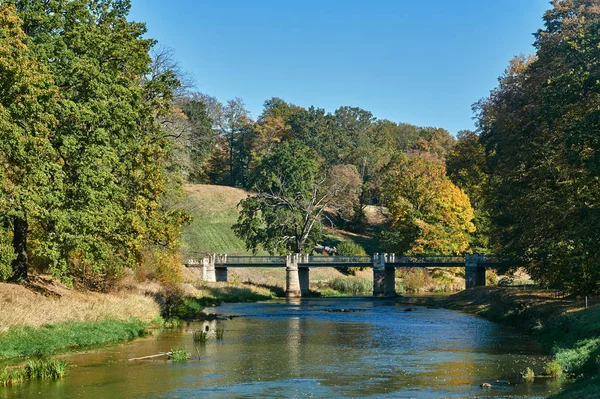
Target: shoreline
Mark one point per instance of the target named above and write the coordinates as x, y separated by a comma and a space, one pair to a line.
568, 331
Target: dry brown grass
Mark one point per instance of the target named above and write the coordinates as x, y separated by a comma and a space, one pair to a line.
47, 302
226, 197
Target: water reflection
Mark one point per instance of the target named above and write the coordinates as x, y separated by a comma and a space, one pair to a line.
314, 348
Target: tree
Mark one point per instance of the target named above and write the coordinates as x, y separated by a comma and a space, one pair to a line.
29, 171
466, 167
430, 215
435, 141
292, 192
112, 151
540, 128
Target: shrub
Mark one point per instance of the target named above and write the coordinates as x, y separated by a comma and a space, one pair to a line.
528, 375
415, 280
180, 355
579, 359
553, 369
352, 286
349, 248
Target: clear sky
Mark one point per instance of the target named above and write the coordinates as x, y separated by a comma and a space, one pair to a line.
414, 61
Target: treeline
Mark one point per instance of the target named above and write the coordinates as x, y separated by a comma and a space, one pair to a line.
320, 167
99, 129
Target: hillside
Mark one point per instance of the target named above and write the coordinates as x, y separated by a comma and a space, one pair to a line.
214, 211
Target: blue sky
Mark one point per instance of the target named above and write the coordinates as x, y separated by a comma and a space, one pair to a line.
419, 62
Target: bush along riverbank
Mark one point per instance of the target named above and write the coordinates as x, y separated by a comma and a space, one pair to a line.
569, 331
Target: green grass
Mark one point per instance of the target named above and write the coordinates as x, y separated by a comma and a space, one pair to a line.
28, 341
351, 286
214, 211
553, 369
45, 369
35, 369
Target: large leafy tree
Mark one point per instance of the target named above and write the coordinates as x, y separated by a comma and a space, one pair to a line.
540, 128
29, 171
466, 167
292, 192
430, 215
111, 150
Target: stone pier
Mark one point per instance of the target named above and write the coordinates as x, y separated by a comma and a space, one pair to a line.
209, 268
292, 277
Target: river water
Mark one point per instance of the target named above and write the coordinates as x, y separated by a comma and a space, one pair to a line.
314, 348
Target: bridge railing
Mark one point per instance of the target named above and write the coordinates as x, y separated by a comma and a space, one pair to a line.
339, 259
428, 260
251, 260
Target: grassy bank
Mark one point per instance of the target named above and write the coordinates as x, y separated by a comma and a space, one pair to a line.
569, 331
46, 340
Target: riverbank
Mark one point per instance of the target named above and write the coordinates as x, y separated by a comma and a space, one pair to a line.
565, 327
45, 317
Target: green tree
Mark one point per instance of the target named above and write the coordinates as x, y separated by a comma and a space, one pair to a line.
292, 192
112, 151
430, 215
29, 171
540, 131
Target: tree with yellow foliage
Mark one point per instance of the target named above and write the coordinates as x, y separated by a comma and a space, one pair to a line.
430, 215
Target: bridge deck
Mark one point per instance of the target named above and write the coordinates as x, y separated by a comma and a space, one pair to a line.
347, 261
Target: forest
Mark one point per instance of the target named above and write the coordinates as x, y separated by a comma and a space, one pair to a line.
100, 128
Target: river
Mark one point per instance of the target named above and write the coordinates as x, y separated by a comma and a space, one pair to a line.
313, 348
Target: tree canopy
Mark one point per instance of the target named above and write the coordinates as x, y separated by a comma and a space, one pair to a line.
540, 131
292, 192
430, 215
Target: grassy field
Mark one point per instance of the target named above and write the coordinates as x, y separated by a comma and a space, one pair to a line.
214, 211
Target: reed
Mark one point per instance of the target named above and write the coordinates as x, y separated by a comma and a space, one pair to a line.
200, 336
34, 369
220, 333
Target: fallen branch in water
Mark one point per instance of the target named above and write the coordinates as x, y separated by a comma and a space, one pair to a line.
151, 356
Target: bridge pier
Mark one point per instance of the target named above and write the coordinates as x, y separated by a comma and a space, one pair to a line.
474, 274
209, 269
390, 282
378, 274
304, 278
292, 277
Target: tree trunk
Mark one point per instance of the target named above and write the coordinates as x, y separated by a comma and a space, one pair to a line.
21, 264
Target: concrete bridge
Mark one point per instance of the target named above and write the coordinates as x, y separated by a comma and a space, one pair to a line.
297, 267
